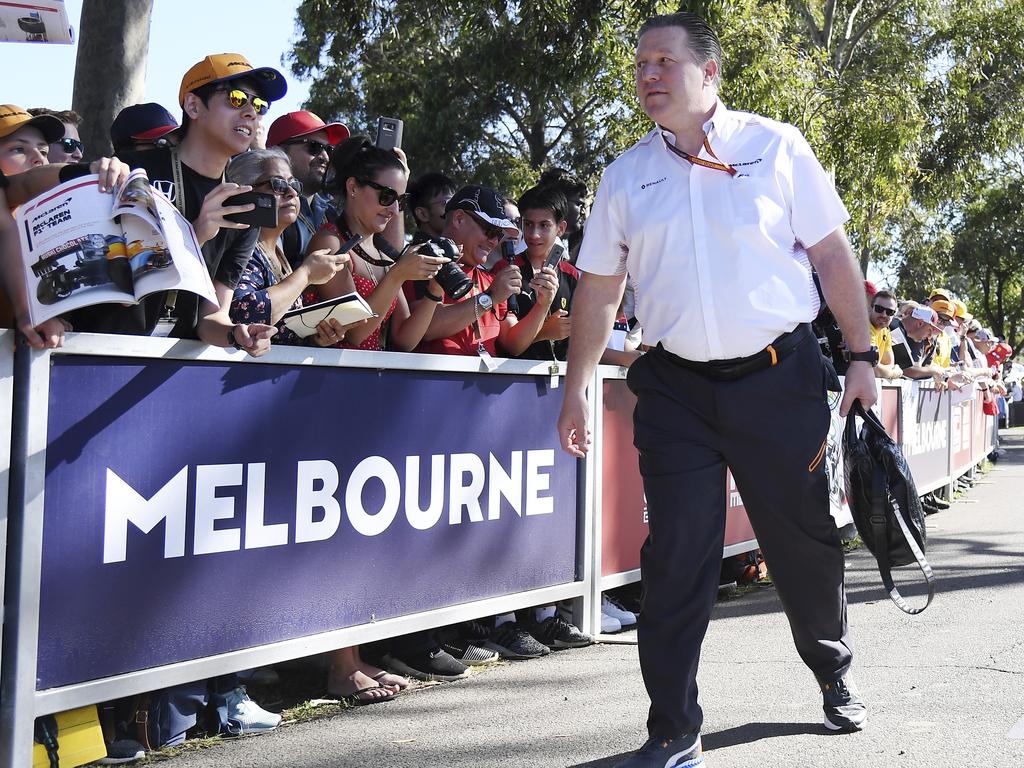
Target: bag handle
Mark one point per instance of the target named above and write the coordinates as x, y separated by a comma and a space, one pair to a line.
880, 522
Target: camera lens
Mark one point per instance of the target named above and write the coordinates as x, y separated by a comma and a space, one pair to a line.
453, 281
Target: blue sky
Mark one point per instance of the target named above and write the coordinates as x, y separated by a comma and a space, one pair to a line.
182, 33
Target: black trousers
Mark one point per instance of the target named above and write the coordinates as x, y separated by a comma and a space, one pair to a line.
769, 428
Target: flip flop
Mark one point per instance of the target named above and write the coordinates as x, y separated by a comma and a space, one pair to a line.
379, 677
355, 699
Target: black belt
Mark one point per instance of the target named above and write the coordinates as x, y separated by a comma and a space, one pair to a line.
738, 367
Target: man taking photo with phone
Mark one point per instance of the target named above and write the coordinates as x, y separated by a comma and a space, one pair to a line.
222, 98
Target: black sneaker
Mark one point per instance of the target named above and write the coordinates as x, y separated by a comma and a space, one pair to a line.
122, 751
681, 752
513, 642
467, 652
473, 631
436, 665
843, 706
555, 632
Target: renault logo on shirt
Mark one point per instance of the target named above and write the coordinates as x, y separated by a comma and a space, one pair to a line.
652, 183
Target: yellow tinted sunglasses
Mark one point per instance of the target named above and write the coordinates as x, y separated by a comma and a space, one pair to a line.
238, 98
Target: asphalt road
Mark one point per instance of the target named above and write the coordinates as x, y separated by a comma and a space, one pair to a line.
944, 689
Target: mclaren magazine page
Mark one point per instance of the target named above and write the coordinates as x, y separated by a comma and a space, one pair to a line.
82, 247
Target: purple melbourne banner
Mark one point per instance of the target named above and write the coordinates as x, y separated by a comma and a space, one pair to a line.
193, 509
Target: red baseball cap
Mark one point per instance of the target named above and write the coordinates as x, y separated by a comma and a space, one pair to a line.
1002, 350
296, 124
869, 288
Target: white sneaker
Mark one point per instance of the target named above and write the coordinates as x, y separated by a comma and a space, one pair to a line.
616, 611
609, 624
248, 716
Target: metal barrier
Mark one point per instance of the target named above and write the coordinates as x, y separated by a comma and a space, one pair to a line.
6, 396
183, 514
178, 512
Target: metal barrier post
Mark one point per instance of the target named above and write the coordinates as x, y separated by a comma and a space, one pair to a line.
25, 535
6, 396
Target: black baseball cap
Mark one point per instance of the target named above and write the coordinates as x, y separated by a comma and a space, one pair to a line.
485, 203
141, 122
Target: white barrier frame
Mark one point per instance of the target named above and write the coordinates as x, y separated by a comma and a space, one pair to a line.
6, 396
22, 703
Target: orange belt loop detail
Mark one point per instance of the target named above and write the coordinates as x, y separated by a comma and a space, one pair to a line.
774, 354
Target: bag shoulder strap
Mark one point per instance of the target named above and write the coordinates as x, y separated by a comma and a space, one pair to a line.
880, 523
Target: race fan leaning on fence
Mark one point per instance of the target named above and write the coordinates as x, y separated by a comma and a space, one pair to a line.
718, 216
222, 98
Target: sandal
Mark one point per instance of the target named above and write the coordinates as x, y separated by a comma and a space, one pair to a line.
391, 681
358, 699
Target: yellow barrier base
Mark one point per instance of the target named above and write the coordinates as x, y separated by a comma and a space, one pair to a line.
79, 739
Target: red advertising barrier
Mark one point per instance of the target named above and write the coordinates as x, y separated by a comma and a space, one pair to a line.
623, 507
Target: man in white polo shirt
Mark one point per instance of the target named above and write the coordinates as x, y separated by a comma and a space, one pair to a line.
718, 217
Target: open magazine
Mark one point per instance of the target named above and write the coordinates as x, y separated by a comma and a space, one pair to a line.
82, 247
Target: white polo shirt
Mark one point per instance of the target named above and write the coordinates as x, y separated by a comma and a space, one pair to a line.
718, 261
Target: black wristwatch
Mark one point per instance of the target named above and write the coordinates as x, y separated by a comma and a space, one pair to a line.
871, 356
232, 342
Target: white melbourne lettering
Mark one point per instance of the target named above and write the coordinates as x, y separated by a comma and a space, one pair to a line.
456, 483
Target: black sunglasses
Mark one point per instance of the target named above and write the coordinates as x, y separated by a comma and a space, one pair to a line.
884, 310
70, 145
491, 232
313, 147
281, 185
385, 195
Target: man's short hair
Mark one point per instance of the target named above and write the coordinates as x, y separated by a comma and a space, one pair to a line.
886, 295
703, 39
541, 198
64, 115
427, 186
563, 180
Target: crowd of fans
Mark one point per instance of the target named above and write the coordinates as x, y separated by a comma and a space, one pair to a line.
481, 275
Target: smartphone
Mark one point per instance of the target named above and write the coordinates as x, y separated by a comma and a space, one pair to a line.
348, 245
389, 132
555, 257
263, 215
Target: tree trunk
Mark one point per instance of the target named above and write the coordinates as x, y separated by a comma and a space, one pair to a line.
110, 72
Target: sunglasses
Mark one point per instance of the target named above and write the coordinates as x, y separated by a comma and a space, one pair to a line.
385, 195
884, 310
491, 232
281, 185
313, 147
71, 145
238, 98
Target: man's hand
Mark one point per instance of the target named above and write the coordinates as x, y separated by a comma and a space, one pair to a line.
111, 171
507, 282
211, 216
254, 338
557, 326
860, 385
48, 335
573, 435
545, 283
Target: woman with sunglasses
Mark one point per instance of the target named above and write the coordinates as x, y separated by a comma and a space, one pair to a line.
369, 183
269, 287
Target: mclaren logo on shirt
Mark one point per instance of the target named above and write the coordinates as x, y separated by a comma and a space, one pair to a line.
652, 183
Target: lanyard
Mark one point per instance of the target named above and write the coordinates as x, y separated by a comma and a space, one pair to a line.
716, 165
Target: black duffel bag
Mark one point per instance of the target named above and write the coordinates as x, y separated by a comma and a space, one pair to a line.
884, 502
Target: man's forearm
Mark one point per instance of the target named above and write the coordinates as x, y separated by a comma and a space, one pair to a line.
521, 335
843, 286
593, 311
449, 319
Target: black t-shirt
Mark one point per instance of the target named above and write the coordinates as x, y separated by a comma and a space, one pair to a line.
907, 352
226, 256
568, 277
